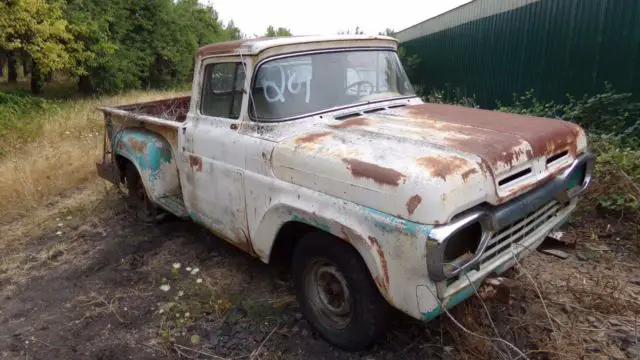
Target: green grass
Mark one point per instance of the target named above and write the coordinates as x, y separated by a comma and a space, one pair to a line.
21, 118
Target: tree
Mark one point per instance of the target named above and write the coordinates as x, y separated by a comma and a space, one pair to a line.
273, 32
12, 72
39, 29
142, 43
356, 32
388, 32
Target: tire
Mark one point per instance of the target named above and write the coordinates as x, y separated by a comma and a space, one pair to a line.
137, 197
337, 294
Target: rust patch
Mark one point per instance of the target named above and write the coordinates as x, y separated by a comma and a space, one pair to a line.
226, 47
381, 285
465, 175
344, 233
137, 145
529, 154
443, 166
484, 167
195, 162
380, 175
233, 126
511, 156
383, 262
351, 123
312, 137
495, 136
413, 203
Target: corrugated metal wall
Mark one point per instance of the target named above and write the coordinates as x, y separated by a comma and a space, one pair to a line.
555, 47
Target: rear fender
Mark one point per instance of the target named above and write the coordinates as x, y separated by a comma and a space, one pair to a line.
153, 157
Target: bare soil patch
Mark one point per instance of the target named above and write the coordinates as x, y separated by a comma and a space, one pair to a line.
84, 283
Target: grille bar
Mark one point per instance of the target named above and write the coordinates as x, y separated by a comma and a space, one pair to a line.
520, 230
518, 224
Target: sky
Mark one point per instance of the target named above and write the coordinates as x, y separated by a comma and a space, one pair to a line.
328, 16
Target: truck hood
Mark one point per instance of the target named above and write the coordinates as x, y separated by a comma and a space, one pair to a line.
428, 162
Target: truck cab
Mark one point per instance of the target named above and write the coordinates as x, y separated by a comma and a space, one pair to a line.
315, 150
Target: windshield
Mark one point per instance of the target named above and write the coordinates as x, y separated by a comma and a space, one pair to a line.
303, 84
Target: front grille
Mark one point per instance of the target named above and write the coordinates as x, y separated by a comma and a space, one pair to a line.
519, 231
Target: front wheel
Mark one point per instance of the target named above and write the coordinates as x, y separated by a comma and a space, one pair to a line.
337, 294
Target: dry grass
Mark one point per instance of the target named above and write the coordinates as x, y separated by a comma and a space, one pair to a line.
583, 310
62, 157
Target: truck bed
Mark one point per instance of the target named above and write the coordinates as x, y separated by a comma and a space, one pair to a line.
170, 112
162, 117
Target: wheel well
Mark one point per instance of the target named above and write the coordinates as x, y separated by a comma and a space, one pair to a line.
286, 240
123, 163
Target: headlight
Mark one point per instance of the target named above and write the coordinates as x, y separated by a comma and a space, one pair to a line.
457, 246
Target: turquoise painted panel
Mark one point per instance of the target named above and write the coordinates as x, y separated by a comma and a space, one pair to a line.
147, 150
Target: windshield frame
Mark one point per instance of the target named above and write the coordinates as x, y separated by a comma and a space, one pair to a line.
257, 67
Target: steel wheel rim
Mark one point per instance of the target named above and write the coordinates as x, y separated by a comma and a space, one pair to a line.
328, 294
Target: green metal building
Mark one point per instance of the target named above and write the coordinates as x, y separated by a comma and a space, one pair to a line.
492, 49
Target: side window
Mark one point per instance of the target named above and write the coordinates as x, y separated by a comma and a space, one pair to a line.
222, 94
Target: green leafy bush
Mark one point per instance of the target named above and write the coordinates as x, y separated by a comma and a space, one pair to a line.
613, 122
617, 175
451, 96
20, 118
611, 114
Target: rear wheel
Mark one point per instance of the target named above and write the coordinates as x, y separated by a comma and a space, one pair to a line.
137, 197
337, 294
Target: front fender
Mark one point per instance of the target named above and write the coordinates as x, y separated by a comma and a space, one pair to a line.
386, 244
152, 155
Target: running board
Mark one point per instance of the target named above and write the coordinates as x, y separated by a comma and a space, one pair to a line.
173, 204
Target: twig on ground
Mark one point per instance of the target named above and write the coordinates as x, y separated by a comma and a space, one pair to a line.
44, 343
109, 305
486, 338
535, 285
255, 353
630, 180
153, 347
493, 325
177, 347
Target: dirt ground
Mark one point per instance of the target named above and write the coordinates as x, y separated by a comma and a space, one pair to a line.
86, 281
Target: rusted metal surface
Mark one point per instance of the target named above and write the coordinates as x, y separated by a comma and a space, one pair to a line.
443, 166
297, 43
351, 123
379, 174
382, 179
375, 245
544, 136
413, 203
195, 162
222, 48
465, 175
312, 137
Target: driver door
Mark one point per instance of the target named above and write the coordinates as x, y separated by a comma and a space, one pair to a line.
214, 170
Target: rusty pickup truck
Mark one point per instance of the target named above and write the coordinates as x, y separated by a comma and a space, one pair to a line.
316, 151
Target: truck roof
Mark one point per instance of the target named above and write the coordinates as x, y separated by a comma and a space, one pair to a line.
257, 45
